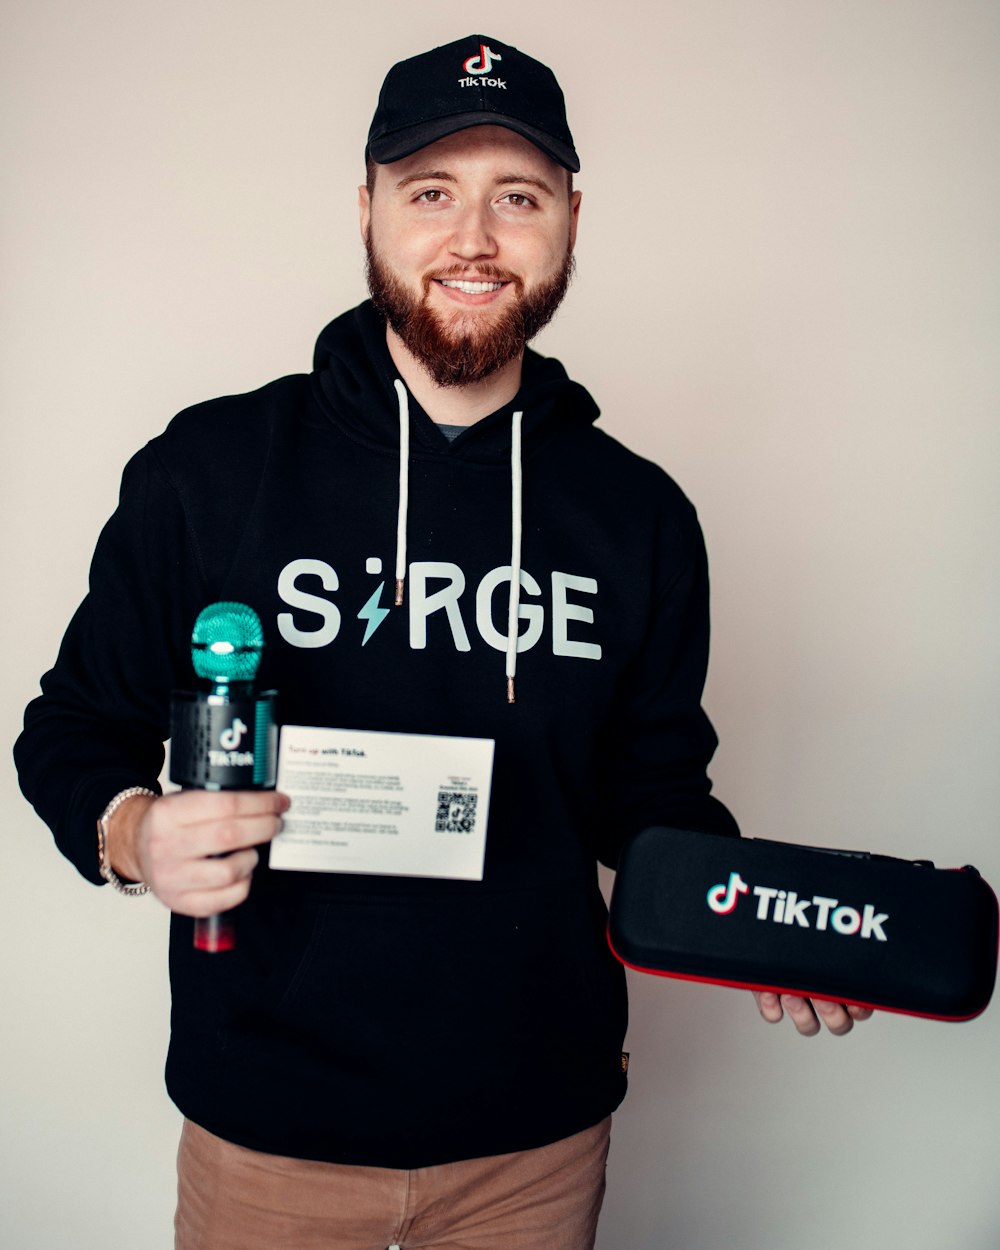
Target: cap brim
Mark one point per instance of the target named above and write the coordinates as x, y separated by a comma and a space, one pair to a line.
393, 147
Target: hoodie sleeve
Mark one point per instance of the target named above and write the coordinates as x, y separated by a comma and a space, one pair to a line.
103, 714
660, 740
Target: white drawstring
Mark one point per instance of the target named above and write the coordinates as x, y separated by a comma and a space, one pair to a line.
515, 551
514, 599
404, 488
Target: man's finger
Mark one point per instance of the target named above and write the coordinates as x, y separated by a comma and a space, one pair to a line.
801, 1014
194, 807
222, 837
835, 1016
214, 835
769, 1005
213, 902
217, 873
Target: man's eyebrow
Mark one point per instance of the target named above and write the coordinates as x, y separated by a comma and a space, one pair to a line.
425, 175
525, 180
504, 180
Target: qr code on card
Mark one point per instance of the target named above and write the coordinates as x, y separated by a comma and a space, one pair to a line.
456, 811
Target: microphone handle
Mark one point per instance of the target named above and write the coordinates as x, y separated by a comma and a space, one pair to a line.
215, 933
222, 742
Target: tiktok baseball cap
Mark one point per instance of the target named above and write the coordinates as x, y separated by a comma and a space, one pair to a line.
476, 81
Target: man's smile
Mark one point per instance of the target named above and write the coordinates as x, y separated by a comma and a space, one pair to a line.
470, 288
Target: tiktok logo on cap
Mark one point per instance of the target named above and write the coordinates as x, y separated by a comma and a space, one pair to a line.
483, 63
478, 68
723, 898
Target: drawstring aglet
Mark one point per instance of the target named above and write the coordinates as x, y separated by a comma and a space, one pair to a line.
399, 592
510, 690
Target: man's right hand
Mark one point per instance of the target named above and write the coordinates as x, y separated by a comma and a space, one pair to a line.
171, 843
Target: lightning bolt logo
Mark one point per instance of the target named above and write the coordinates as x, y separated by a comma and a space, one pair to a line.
372, 614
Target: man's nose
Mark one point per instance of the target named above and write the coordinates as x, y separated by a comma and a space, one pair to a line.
474, 235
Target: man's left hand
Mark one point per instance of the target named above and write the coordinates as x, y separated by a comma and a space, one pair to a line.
807, 1013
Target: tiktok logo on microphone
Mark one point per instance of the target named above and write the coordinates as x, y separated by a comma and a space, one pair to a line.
784, 907
231, 738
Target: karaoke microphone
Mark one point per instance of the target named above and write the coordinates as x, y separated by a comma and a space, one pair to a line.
223, 734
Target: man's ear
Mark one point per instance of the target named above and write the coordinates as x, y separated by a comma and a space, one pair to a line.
364, 210
574, 217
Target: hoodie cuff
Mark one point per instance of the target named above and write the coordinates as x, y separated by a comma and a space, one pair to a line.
76, 835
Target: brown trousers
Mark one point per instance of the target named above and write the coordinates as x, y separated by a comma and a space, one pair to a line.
230, 1198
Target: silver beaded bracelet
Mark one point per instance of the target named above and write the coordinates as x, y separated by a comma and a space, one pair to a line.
133, 889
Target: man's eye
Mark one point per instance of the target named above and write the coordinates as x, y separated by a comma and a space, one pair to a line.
433, 195
518, 199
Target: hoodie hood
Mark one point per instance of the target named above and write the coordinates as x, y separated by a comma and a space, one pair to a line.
354, 380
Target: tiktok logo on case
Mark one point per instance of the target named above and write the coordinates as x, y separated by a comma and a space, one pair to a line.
785, 907
723, 898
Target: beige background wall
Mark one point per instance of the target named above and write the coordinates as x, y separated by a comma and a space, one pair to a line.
787, 295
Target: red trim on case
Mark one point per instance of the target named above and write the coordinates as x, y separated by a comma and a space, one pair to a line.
779, 989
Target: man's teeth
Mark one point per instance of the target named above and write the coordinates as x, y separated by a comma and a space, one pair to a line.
471, 288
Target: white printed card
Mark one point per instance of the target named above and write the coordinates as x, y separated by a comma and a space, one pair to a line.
409, 805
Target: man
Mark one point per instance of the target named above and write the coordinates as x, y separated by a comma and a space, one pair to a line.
396, 1058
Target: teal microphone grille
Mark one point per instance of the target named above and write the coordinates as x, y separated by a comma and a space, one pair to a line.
226, 643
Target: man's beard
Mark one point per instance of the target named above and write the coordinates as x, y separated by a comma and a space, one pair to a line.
456, 351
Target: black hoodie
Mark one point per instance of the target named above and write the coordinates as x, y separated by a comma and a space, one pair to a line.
401, 1022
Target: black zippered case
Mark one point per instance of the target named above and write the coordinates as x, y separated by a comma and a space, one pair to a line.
849, 926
